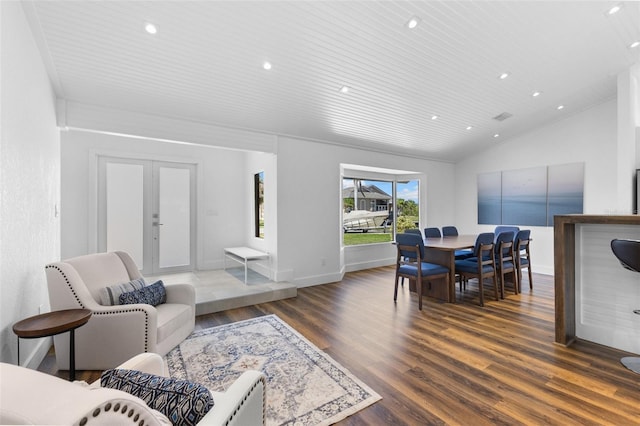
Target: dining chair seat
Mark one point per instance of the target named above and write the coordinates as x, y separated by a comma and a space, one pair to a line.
480, 266
410, 264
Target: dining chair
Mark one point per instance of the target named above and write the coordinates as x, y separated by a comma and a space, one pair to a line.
410, 264
432, 233
482, 265
506, 228
506, 260
449, 231
628, 253
523, 255
413, 231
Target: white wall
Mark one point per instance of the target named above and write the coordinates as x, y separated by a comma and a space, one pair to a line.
302, 196
29, 184
222, 205
588, 137
309, 204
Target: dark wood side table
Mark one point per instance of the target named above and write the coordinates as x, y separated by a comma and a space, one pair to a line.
50, 324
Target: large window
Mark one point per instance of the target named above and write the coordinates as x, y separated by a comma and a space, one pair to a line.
373, 210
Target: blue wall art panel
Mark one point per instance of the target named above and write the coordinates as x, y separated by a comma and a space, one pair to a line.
489, 198
566, 190
530, 196
524, 197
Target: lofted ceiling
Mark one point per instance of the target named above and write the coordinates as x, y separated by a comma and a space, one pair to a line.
410, 91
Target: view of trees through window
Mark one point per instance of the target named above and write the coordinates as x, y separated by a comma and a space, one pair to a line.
373, 210
258, 193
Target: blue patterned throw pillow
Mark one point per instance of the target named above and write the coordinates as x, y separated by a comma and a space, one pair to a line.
183, 402
153, 294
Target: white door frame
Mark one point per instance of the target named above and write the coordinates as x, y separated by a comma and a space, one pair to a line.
150, 208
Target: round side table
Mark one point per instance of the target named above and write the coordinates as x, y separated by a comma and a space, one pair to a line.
50, 324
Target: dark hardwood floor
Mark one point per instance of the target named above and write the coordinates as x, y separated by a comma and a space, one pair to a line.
456, 364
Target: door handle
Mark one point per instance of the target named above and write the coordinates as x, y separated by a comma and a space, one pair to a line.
157, 224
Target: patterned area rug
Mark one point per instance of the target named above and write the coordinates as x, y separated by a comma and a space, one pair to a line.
304, 385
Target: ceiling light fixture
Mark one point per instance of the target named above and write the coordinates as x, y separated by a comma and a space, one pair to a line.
434, 117
266, 65
150, 28
504, 75
615, 9
344, 89
469, 127
497, 135
536, 94
634, 44
413, 22
560, 107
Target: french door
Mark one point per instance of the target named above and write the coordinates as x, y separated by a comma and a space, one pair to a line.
147, 208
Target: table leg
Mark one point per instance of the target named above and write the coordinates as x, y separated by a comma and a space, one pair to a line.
18, 351
452, 277
245, 271
72, 355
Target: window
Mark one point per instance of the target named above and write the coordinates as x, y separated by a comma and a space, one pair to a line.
258, 191
369, 215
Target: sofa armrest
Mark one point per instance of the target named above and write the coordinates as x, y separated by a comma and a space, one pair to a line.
184, 294
242, 404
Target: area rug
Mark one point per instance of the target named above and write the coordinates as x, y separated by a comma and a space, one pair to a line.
305, 386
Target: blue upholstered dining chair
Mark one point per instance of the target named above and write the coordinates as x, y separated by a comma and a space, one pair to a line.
506, 228
481, 265
413, 231
506, 260
523, 255
410, 264
449, 231
432, 233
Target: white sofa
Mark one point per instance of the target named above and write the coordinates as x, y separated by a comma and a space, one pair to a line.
31, 397
115, 333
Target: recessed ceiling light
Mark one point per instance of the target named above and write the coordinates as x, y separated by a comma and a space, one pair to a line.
266, 65
615, 9
413, 22
469, 127
504, 75
560, 107
344, 89
634, 44
536, 94
150, 28
497, 135
434, 117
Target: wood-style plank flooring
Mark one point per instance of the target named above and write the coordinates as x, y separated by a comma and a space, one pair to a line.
456, 364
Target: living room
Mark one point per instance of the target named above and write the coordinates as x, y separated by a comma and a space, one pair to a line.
49, 146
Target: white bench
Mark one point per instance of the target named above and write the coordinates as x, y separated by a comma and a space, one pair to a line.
244, 255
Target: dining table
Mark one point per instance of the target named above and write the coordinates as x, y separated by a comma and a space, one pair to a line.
442, 251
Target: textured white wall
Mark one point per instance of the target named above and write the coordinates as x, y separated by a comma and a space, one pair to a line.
588, 137
29, 184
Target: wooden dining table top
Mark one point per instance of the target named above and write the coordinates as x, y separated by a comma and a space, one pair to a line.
451, 243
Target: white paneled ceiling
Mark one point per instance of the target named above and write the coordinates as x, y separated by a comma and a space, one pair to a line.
205, 64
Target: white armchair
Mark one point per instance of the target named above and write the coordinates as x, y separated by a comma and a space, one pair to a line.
31, 397
115, 333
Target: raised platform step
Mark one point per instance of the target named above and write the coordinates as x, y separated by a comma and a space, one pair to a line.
221, 290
